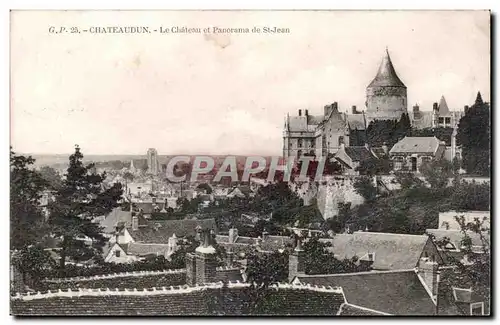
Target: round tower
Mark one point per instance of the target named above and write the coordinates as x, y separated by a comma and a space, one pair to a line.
386, 96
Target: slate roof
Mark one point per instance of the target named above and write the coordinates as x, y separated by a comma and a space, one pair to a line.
116, 216
386, 74
392, 251
443, 106
392, 292
356, 121
409, 145
421, 119
456, 236
166, 228
358, 153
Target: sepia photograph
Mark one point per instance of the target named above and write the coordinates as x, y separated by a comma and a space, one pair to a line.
250, 163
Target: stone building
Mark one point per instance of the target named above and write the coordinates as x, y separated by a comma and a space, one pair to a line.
386, 95
439, 116
324, 134
153, 165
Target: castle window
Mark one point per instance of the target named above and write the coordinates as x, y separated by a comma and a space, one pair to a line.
447, 120
441, 120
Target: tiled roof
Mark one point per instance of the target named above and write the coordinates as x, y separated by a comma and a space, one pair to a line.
392, 251
353, 310
116, 216
205, 300
130, 282
392, 292
416, 145
160, 234
358, 153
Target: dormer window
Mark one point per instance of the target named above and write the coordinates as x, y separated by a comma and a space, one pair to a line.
117, 253
450, 246
477, 309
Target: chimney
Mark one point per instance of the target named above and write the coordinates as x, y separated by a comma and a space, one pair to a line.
300, 112
265, 235
416, 108
201, 266
367, 146
466, 109
354, 111
307, 112
335, 107
328, 109
428, 270
233, 235
135, 223
435, 107
296, 261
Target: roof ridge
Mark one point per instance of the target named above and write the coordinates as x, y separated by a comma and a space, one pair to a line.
354, 273
386, 233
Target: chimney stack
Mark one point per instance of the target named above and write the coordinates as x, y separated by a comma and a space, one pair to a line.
466, 109
307, 112
416, 108
435, 107
201, 266
354, 111
296, 261
335, 107
135, 223
385, 148
265, 235
300, 112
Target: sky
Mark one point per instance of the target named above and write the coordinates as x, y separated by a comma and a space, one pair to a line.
224, 93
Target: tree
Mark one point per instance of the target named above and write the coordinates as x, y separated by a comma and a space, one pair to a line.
471, 268
437, 173
52, 177
33, 261
81, 198
474, 137
374, 166
26, 186
364, 186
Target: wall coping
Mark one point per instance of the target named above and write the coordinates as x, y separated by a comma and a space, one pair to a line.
114, 275
183, 289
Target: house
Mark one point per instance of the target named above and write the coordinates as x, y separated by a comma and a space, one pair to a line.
351, 157
241, 244
450, 242
242, 191
386, 251
411, 152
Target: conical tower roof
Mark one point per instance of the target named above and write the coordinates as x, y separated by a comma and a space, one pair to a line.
386, 75
443, 107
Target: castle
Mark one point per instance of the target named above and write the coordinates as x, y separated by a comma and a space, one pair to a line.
386, 99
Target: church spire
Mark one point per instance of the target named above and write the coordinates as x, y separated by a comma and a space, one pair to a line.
386, 75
